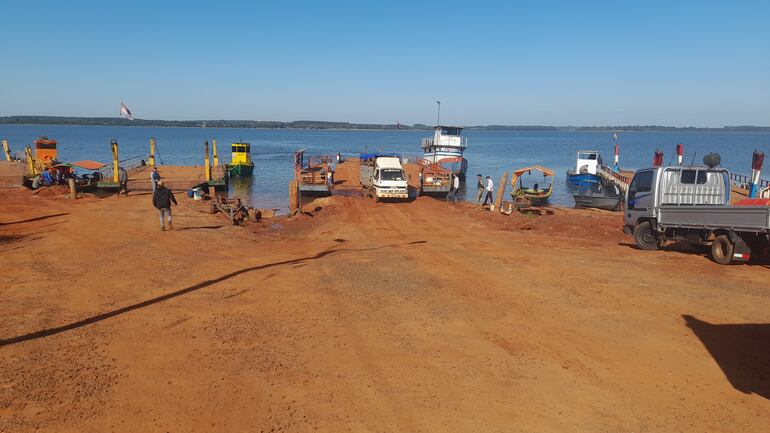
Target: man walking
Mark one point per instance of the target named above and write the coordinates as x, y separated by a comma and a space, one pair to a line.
154, 178
479, 189
490, 187
162, 199
455, 188
122, 180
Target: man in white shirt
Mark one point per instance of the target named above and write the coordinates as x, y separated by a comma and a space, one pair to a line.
455, 187
490, 188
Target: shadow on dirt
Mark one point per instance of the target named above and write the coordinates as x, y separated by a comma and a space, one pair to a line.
199, 228
742, 351
704, 251
98, 318
34, 219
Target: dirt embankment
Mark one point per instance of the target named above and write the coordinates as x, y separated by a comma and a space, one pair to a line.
418, 316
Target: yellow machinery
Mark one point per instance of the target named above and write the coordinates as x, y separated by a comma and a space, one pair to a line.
151, 161
7, 150
114, 145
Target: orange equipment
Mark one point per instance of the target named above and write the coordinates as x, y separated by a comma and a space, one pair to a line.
45, 150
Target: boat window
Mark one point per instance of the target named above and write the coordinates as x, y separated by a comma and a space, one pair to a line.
590, 156
688, 177
392, 174
642, 182
450, 131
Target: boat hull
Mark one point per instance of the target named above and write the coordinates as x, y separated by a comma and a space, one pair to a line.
576, 179
240, 170
608, 203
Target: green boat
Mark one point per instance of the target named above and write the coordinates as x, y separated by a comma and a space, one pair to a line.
241, 164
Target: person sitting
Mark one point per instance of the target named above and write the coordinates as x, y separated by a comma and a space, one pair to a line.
536, 188
46, 178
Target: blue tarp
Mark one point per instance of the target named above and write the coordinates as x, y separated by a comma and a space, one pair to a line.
367, 156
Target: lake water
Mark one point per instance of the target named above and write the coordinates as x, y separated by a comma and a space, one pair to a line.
489, 152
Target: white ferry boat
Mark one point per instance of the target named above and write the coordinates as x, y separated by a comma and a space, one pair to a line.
446, 148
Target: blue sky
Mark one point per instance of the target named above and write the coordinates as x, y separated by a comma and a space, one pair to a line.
691, 63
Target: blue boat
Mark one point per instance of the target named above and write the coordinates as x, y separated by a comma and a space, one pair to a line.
586, 169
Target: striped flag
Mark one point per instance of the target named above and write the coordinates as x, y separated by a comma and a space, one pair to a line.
125, 112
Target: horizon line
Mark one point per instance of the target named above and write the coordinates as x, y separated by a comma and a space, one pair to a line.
395, 125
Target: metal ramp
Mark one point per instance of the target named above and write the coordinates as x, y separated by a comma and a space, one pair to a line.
613, 177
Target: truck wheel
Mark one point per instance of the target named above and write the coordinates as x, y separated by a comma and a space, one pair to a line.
645, 237
376, 199
722, 250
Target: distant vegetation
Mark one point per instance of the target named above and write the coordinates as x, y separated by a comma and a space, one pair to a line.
312, 124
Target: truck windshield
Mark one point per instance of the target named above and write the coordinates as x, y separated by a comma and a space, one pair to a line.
642, 182
392, 174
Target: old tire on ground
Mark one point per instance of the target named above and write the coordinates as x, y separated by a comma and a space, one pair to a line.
645, 236
722, 250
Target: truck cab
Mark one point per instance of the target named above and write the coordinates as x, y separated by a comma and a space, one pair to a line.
384, 177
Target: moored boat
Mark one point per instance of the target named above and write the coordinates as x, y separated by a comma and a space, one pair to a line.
240, 163
598, 195
586, 169
446, 148
534, 194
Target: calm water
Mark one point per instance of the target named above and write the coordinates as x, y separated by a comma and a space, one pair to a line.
489, 152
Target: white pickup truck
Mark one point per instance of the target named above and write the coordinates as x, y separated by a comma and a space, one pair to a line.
382, 176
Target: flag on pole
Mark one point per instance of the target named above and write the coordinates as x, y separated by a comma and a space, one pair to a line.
125, 112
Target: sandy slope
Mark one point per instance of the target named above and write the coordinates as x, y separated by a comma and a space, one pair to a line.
368, 317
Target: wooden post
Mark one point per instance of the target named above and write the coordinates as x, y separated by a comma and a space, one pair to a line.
293, 197
152, 151
214, 151
207, 161
73, 189
7, 150
114, 145
501, 190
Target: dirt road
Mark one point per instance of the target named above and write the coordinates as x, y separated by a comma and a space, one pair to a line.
417, 316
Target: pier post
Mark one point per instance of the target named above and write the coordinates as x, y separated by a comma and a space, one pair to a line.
73, 188
152, 152
294, 201
7, 150
207, 161
214, 151
114, 145
500, 192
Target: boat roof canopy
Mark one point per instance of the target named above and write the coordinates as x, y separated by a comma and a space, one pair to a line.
89, 164
540, 168
368, 156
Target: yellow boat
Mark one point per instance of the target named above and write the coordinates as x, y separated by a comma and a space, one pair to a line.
241, 163
536, 195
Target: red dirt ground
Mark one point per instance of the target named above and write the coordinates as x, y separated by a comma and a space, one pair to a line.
418, 316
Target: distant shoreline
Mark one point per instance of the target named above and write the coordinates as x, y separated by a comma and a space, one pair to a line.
346, 126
